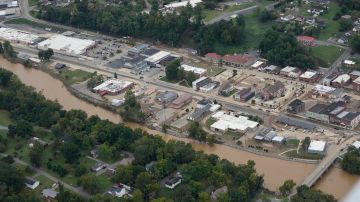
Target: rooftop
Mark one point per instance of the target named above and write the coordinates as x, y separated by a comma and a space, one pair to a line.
196, 70
182, 98
349, 62
357, 81
343, 78
317, 145
226, 121
288, 69
113, 85
308, 74
213, 55
67, 44
14, 34
296, 122
356, 144
157, 56
257, 64
324, 89
305, 38
355, 73
239, 59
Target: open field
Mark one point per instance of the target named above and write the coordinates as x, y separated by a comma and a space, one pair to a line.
74, 76
33, 2
210, 14
326, 54
4, 118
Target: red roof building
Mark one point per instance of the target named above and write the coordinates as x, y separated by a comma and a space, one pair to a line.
239, 60
306, 40
213, 57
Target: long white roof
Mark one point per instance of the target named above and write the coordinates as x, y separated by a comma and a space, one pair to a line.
324, 89
193, 3
356, 144
67, 44
196, 70
157, 57
342, 78
14, 34
308, 74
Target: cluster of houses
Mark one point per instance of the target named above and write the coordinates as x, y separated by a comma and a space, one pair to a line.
344, 39
49, 194
337, 80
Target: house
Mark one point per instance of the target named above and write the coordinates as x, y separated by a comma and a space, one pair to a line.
166, 97
310, 77
349, 63
202, 81
213, 57
306, 40
94, 152
31, 183
110, 172
36, 140
272, 91
317, 147
59, 66
49, 194
172, 182
226, 89
215, 194
181, 101
149, 166
337, 93
341, 81
356, 85
296, 106
98, 166
120, 190
346, 17
199, 113
290, 72
349, 120
243, 60
356, 28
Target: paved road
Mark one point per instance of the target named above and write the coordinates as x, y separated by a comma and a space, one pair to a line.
76, 190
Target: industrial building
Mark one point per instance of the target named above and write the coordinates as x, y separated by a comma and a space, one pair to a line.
166, 97
202, 81
181, 101
17, 36
296, 106
317, 147
296, 123
230, 122
153, 60
347, 119
113, 87
322, 112
67, 45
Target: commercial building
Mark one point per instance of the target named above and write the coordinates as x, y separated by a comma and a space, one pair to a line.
230, 122
324, 91
113, 87
175, 5
310, 76
296, 106
199, 113
322, 112
327, 80
67, 45
213, 57
181, 101
289, 71
243, 60
17, 36
258, 64
348, 120
341, 81
349, 63
286, 120
209, 86
156, 58
272, 69
265, 134
166, 97
196, 70
317, 147
202, 81
306, 40
354, 75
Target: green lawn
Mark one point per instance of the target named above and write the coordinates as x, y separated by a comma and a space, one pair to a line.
104, 182
304, 155
74, 76
4, 118
326, 54
293, 142
210, 14
23, 21
44, 183
33, 2
210, 121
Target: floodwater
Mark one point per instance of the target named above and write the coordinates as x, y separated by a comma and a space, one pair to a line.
275, 171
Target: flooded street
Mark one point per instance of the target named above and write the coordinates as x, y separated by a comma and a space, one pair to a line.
275, 171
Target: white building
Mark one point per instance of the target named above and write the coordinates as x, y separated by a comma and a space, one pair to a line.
67, 45
257, 64
113, 86
229, 122
317, 147
117, 102
278, 139
356, 144
157, 57
174, 5
195, 70
324, 90
17, 36
31, 183
290, 72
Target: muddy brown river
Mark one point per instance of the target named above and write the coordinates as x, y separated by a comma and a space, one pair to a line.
275, 171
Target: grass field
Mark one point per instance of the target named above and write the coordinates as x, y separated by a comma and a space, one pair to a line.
210, 14
304, 155
326, 54
74, 76
23, 21
4, 118
33, 2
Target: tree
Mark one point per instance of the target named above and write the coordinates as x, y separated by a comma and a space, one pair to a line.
345, 25
115, 75
8, 50
137, 196
132, 109
172, 70
80, 170
204, 197
146, 183
286, 188
304, 193
24, 128
196, 132
351, 161
70, 151
36, 154
45, 55
94, 81
305, 144
105, 152
90, 183
355, 43
5, 77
